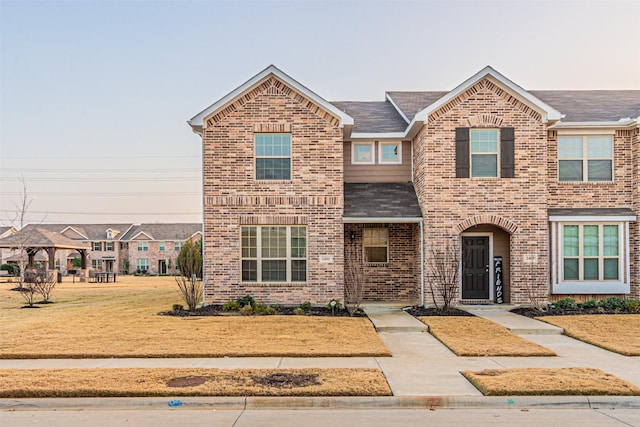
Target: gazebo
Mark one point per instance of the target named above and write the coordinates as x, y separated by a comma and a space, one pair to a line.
34, 239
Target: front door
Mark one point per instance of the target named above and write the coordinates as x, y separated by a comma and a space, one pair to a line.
162, 267
475, 267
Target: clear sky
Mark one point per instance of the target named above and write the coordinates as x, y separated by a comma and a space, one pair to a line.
94, 95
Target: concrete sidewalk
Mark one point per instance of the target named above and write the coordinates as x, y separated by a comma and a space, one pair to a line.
421, 372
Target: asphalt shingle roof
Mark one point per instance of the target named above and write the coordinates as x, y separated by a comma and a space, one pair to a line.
592, 105
381, 200
590, 212
177, 231
410, 103
373, 116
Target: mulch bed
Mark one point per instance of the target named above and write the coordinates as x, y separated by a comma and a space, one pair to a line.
430, 311
216, 310
555, 311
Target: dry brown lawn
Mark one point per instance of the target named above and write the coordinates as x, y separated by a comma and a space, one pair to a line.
121, 320
15, 383
619, 333
475, 336
549, 382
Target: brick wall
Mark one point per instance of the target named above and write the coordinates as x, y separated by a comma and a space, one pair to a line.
399, 279
313, 197
635, 227
518, 205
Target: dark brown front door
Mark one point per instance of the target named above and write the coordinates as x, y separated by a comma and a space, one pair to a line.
475, 267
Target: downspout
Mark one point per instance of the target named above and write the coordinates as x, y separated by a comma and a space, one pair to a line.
204, 246
421, 262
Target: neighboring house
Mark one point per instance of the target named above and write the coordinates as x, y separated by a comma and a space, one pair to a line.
6, 253
539, 189
151, 248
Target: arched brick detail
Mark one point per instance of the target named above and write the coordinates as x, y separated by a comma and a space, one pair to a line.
496, 220
485, 120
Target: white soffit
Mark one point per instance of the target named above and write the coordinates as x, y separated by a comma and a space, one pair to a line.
198, 120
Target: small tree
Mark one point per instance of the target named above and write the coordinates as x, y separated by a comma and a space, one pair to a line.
44, 282
443, 274
190, 279
354, 282
28, 290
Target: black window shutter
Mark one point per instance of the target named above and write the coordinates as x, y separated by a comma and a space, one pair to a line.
507, 153
462, 152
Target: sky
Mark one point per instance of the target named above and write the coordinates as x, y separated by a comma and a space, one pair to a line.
95, 95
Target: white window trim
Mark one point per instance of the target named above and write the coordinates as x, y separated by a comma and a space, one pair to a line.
387, 162
560, 286
498, 154
256, 157
259, 258
364, 253
372, 146
585, 159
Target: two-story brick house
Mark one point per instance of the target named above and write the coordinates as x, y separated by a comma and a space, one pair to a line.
538, 189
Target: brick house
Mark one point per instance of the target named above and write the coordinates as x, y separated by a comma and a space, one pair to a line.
538, 189
127, 247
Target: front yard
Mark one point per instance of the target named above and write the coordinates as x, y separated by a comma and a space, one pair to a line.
120, 320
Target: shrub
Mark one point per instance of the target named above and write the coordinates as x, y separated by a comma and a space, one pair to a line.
612, 303
264, 309
246, 300
300, 312
305, 306
189, 262
246, 310
11, 269
334, 305
177, 307
591, 303
231, 306
632, 305
566, 303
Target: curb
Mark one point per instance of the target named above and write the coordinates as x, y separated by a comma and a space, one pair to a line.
257, 403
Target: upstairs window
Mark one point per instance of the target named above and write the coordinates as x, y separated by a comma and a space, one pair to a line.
177, 246
390, 153
108, 246
484, 153
363, 153
97, 246
143, 246
161, 246
585, 158
273, 156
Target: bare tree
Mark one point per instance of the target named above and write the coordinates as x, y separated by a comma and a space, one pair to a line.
189, 281
538, 300
29, 290
443, 274
354, 283
22, 208
45, 281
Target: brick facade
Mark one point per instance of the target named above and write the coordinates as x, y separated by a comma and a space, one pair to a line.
313, 197
514, 211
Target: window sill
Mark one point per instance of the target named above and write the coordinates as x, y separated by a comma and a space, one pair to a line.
586, 182
272, 181
274, 284
597, 287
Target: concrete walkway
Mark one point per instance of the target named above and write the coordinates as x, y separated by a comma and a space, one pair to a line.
421, 367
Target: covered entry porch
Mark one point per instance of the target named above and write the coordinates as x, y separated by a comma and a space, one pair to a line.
383, 242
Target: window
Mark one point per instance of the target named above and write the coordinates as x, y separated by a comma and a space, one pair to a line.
591, 252
177, 246
161, 246
274, 254
143, 264
585, 158
97, 246
273, 156
362, 153
375, 244
390, 153
96, 264
108, 246
484, 152
143, 246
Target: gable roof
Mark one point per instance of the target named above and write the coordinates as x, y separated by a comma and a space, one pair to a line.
176, 231
197, 122
41, 237
593, 105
